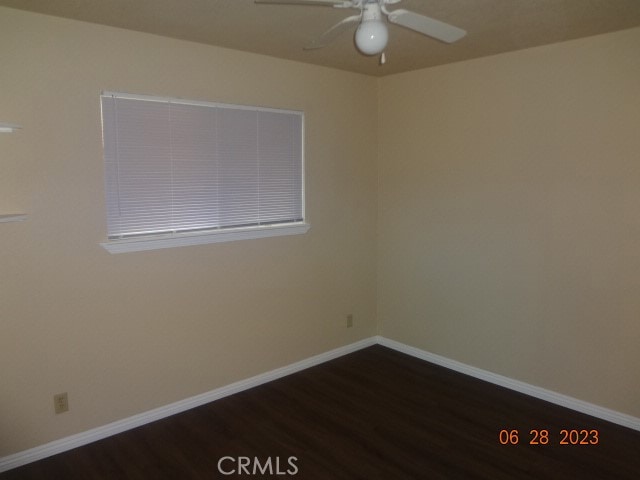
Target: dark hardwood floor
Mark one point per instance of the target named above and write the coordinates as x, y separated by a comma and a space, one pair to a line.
373, 414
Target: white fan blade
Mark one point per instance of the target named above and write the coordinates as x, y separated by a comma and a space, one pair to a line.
427, 26
331, 34
329, 3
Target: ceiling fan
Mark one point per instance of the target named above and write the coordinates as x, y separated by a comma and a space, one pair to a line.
371, 35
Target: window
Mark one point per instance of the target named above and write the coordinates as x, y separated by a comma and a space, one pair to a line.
183, 173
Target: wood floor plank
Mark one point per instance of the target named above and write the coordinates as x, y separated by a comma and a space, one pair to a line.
373, 414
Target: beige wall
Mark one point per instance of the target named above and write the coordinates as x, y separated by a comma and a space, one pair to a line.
123, 334
509, 215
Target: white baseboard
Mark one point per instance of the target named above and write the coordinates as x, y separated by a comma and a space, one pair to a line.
90, 436
522, 387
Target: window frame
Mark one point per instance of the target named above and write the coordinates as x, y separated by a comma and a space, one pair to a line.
216, 234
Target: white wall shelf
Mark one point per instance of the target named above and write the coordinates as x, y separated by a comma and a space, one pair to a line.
9, 127
13, 217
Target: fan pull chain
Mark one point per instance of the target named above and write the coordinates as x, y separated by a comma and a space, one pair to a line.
383, 59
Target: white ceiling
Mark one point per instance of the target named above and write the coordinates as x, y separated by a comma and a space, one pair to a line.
493, 26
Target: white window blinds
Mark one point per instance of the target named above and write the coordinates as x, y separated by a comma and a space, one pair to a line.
176, 166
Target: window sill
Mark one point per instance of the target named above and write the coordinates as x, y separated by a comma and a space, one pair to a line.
201, 238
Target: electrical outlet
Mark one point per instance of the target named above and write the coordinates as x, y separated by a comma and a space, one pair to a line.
61, 402
350, 320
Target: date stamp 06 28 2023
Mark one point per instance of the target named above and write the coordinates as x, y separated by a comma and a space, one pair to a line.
544, 437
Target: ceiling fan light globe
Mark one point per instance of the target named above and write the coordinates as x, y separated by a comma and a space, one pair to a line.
371, 37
